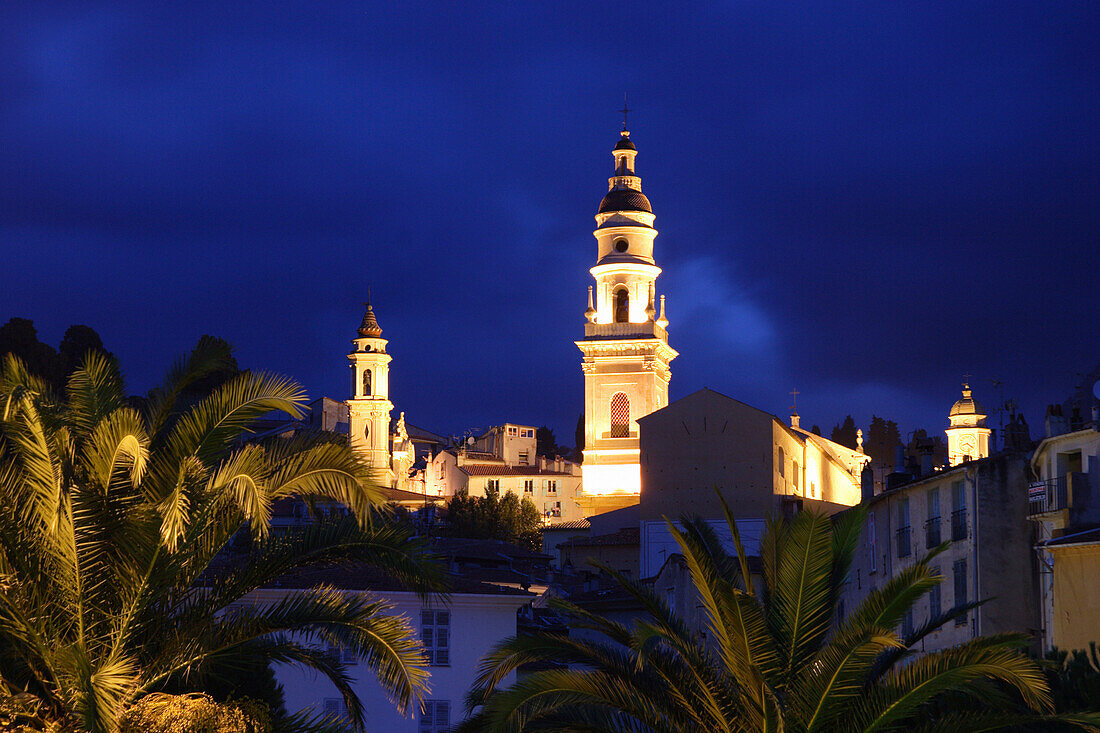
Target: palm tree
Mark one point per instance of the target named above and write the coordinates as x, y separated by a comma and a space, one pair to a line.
112, 535
773, 659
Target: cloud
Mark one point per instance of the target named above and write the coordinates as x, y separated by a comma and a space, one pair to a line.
705, 301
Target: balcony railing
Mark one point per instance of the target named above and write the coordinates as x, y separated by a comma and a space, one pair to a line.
958, 525
904, 534
649, 329
1050, 495
932, 533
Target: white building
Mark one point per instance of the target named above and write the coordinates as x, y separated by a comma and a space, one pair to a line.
456, 636
625, 347
553, 485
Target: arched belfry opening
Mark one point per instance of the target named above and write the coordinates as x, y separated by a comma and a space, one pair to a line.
622, 306
367, 382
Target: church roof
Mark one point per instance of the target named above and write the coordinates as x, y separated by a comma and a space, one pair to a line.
967, 405
625, 199
369, 328
624, 142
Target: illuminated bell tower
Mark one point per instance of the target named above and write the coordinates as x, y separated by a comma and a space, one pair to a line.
625, 347
967, 437
369, 408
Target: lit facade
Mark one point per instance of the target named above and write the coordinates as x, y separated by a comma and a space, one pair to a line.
967, 437
625, 351
389, 455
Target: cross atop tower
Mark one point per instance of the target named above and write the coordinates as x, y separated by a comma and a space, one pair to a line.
966, 381
625, 110
794, 399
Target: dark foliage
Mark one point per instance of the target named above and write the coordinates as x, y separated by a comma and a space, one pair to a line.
494, 517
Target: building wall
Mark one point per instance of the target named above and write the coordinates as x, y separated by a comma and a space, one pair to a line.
1057, 456
700, 442
563, 500
515, 444
623, 558
996, 548
1076, 596
477, 623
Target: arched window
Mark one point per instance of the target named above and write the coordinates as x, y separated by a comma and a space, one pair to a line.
622, 306
779, 460
366, 382
620, 415
794, 475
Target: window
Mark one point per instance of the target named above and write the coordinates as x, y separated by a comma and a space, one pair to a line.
492, 485
935, 600
442, 470
512, 432
779, 459
795, 475
620, 415
529, 486
621, 245
340, 654
527, 433
871, 539
960, 589
335, 709
958, 512
523, 458
813, 489
907, 623
904, 531
366, 382
551, 486
435, 633
932, 524
552, 508
435, 716
622, 306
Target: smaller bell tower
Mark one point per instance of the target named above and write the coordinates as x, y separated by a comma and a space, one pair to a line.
967, 437
369, 407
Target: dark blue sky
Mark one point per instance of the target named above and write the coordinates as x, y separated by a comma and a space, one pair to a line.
860, 200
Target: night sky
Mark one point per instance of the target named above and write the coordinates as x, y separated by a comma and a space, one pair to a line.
860, 200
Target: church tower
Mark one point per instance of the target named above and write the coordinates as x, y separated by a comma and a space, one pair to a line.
370, 407
967, 437
625, 347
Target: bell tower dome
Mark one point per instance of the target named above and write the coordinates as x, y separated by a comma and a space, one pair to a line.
625, 351
369, 407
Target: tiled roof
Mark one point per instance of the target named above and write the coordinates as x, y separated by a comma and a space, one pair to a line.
461, 547
625, 199
474, 469
625, 536
358, 576
577, 524
402, 495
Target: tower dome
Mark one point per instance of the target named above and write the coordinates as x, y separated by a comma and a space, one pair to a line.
369, 328
967, 406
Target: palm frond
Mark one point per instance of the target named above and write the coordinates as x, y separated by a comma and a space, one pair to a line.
801, 598
95, 390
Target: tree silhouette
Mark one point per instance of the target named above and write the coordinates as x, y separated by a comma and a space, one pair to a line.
845, 434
